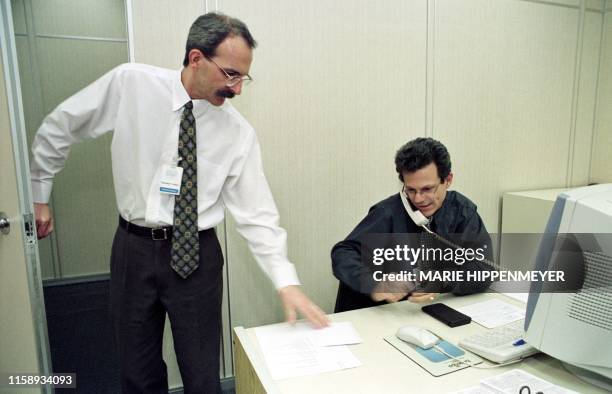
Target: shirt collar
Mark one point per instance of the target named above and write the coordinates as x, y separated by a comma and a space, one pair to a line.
179, 95
445, 211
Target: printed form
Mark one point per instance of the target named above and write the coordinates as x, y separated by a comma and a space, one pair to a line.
493, 313
513, 382
299, 350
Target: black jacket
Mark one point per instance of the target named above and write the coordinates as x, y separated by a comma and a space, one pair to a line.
456, 220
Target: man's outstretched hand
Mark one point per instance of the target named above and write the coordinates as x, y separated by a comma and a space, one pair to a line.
294, 300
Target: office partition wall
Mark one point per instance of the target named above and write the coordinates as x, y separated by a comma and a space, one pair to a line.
62, 47
510, 87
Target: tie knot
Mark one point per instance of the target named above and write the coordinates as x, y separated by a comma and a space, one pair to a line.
189, 105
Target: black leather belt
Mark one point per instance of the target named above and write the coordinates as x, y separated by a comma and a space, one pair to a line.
156, 234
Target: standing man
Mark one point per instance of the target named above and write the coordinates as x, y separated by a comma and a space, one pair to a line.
180, 154
424, 168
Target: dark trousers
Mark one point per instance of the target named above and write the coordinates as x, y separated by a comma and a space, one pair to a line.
143, 288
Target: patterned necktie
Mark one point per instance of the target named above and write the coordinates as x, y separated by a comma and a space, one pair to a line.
185, 254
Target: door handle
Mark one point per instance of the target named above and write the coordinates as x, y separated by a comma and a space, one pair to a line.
5, 225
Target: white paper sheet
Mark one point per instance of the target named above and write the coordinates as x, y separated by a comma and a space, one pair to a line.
474, 390
289, 352
511, 382
493, 313
523, 297
335, 334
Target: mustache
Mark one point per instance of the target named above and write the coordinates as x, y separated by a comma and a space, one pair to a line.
225, 93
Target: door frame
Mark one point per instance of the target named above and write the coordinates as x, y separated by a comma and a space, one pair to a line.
24, 190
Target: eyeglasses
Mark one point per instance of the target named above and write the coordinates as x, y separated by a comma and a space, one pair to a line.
232, 80
427, 191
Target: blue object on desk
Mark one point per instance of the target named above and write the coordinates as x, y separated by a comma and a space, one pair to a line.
519, 342
435, 356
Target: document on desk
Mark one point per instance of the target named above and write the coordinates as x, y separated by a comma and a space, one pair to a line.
523, 297
474, 390
511, 382
335, 334
493, 313
291, 351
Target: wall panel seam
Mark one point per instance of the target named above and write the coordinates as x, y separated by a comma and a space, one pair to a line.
429, 67
596, 106
129, 22
569, 179
552, 3
229, 304
81, 38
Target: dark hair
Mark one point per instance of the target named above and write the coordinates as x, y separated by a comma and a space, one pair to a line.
209, 30
419, 153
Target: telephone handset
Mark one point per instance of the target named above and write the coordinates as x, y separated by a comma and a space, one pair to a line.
420, 220
417, 217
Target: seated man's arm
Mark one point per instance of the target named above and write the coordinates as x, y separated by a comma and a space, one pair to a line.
347, 264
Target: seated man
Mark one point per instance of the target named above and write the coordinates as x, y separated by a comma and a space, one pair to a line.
424, 167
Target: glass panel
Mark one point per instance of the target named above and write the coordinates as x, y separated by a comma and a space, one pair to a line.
19, 21
80, 18
83, 192
33, 116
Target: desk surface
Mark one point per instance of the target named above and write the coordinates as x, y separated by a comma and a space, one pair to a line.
387, 370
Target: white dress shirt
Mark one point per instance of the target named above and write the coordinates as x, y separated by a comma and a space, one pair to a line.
143, 104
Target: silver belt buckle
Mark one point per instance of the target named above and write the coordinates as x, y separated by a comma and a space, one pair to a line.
162, 237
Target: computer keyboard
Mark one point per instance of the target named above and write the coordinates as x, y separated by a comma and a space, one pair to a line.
500, 344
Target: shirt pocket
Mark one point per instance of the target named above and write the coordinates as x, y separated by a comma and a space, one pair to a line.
211, 177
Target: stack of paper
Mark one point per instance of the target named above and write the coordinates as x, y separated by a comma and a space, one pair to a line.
511, 382
300, 350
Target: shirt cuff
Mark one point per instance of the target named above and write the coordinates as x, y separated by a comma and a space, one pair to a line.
284, 275
41, 191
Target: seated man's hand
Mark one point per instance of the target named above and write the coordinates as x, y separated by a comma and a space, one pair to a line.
388, 297
422, 297
391, 291
294, 300
44, 220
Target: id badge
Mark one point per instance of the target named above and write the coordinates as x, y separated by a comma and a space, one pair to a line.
170, 182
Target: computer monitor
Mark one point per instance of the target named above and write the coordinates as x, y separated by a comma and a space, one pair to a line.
576, 326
